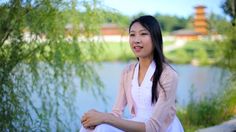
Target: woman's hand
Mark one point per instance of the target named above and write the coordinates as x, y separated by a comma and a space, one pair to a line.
92, 118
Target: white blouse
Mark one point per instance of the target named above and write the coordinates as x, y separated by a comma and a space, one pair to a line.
142, 94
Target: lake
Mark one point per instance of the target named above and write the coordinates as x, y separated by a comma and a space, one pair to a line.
202, 81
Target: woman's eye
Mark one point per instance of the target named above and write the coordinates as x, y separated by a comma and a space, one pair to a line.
131, 34
144, 33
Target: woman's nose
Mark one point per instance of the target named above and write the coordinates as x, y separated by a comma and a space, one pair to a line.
137, 40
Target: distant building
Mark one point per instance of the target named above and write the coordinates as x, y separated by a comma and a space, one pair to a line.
186, 34
113, 33
200, 22
200, 26
108, 32
112, 29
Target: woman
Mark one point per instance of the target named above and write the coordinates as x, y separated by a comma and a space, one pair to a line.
148, 88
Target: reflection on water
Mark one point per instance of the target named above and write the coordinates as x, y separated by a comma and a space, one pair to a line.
204, 81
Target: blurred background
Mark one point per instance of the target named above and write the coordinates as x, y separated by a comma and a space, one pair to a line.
60, 58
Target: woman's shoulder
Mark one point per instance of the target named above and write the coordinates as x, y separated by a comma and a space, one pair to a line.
169, 71
129, 68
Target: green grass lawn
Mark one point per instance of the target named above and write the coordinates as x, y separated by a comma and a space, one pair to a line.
115, 51
167, 43
112, 51
204, 52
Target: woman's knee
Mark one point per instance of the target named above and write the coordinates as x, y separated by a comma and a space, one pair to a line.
82, 129
106, 128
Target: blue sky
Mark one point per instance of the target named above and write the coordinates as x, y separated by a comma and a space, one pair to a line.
182, 8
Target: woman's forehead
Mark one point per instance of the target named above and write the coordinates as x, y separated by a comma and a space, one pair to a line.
137, 27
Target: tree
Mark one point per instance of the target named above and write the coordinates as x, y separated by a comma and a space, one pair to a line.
227, 53
38, 61
171, 23
229, 49
217, 23
229, 8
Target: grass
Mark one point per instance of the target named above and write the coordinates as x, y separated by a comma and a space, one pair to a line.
119, 51
203, 52
167, 43
209, 111
112, 51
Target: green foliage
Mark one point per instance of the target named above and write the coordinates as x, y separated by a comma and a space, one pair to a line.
171, 23
227, 50
217, 24
208, 111
220, 107
117, 18
179, 56
113, 51
202, 55
120, 51
138, 15
204, 52
229, 7
168, 23
39, 59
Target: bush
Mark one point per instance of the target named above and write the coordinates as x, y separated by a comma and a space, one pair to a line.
209, 111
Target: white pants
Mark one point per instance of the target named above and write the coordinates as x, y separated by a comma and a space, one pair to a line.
102, 128
175, 126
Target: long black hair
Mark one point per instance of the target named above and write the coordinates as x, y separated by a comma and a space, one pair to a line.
152, 25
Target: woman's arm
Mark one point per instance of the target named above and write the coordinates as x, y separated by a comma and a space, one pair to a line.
121, 100
94, 118
125, 125
164, 109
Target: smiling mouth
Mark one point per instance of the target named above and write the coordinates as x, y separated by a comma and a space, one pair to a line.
137, 48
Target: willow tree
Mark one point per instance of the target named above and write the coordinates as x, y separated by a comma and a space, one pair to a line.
40, 55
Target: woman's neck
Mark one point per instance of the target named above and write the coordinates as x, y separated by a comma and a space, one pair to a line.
143, 67
144, 63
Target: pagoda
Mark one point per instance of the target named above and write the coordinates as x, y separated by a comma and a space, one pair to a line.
200, 21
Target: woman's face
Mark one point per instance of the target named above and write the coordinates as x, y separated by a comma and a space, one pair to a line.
140, 41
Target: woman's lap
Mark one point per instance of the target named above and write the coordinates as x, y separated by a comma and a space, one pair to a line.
102, 128
175, 126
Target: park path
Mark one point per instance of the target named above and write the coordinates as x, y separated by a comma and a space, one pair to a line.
177, 44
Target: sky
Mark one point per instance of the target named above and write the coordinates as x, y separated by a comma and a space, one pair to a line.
181, 8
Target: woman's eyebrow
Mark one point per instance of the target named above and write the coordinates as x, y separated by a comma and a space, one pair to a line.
139, 30
143, 30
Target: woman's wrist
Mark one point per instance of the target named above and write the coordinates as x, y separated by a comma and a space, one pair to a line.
107, 118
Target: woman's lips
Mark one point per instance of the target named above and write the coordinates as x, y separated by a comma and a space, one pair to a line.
137, 48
